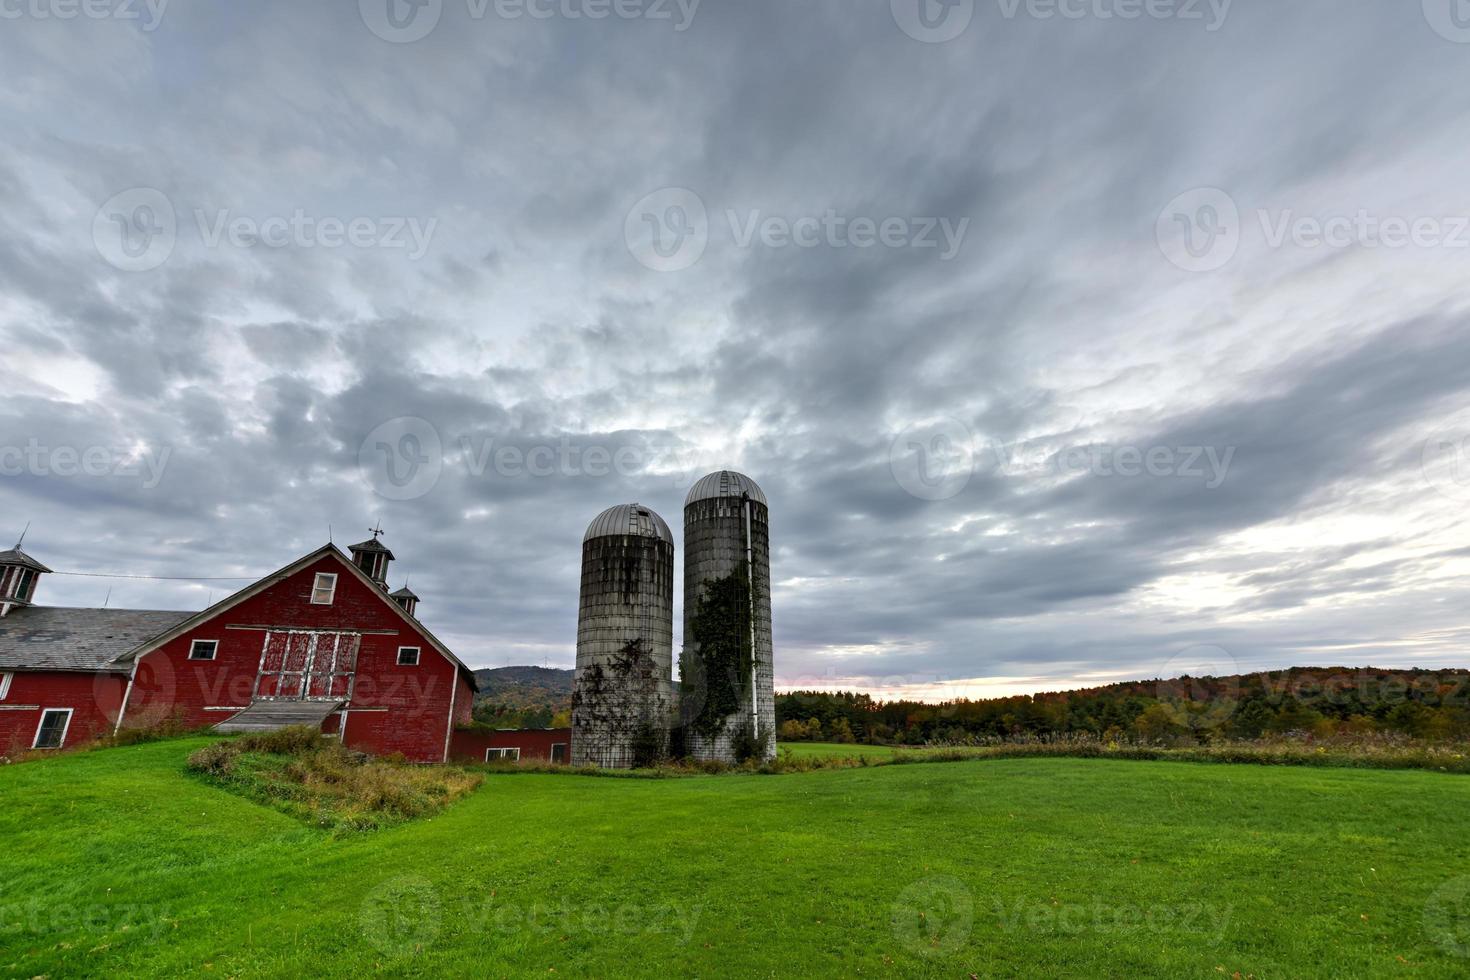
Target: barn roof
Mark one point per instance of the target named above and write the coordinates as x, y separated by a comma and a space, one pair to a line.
17, 557
56, 638
190, 620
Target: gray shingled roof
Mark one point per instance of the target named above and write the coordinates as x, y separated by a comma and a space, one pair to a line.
17, 557
56, 638
373, 544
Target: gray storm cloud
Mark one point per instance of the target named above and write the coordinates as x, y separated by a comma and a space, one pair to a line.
1015, 310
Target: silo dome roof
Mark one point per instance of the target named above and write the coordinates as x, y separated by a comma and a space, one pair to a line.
629, 519
725, 483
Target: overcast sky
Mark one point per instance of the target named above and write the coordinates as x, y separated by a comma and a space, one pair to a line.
1100, 345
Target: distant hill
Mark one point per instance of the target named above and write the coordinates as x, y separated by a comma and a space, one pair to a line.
526, 687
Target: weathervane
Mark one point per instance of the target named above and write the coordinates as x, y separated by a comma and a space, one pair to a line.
28, 527
377, 530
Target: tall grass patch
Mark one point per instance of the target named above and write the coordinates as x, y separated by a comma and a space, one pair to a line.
300, 772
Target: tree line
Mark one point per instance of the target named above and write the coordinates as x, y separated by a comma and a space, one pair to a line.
1315, 702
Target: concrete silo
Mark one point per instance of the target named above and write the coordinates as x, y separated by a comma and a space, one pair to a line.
623, 693
727, 669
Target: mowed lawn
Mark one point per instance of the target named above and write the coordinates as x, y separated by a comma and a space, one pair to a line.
115, 863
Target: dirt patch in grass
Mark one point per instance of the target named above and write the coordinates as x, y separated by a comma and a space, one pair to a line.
298, 771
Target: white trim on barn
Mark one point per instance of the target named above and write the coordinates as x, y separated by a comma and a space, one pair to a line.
36, 742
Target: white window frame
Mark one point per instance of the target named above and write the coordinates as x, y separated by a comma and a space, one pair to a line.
418, 656
566, 751
324, 581
213, 653
36, 742
503, 754
5, 680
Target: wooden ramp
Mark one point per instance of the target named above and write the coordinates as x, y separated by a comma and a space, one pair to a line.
268, 716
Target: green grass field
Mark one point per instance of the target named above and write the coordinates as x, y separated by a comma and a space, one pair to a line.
114, 862
830, 749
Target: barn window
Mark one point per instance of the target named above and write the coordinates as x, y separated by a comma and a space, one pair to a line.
558, 752
52, 731
5, 685
408, 656
203, 649
324, 589
498, 755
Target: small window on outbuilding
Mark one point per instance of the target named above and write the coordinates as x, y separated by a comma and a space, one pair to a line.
558, 752
51, 733
408, 656
203, 649
502, 755
324, 590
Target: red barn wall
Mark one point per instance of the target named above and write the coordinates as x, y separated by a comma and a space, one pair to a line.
535, 744
393, 709
93, 698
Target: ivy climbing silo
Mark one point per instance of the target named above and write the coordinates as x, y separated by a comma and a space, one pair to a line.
727, 669
623, 693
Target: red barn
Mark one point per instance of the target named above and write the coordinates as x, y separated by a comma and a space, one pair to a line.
512, 745
320, 642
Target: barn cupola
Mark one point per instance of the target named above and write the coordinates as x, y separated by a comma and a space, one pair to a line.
406, 598
373, 557
19, 573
